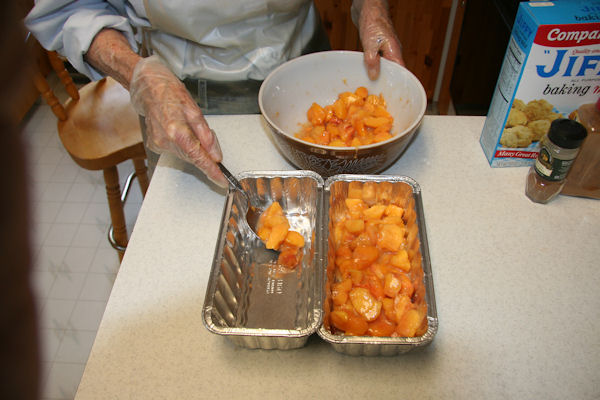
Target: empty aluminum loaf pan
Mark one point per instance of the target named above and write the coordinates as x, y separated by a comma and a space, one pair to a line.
255, 303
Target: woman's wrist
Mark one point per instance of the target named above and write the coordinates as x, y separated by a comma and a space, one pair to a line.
111, 54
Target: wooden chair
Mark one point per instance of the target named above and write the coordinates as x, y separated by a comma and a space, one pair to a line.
100, 129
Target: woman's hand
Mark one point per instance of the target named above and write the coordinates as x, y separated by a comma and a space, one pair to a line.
377, 35
174, 122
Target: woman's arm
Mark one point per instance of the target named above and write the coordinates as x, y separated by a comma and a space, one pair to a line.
174, 122
69, 27
111, 54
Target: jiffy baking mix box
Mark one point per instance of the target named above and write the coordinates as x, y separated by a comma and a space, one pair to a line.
551, 67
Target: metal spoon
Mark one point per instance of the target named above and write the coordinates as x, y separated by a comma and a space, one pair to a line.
253, 214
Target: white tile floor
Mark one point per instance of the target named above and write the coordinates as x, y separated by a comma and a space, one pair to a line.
74, 265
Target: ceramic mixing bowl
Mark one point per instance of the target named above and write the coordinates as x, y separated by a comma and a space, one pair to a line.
289, 90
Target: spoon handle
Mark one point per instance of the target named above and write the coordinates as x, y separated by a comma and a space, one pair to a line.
232, 179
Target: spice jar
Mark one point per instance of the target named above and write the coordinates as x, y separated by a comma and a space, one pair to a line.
558, 149
584, 177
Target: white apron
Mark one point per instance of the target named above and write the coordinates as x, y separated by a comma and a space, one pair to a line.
228, 40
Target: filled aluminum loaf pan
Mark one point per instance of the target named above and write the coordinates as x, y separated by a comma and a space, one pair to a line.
250, 299
375, 189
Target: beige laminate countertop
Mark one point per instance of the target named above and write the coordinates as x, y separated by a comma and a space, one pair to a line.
516, 285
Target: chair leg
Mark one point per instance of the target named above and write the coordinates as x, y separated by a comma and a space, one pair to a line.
141, 172
117, 215
42, 86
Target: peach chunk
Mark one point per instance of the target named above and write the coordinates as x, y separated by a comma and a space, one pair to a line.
356, 276
355, 190
290, 256
401, 305
339, 292
393, 219
369, 194
392, 285
409, 323
274, 231
388, 308
393, 210
355, 226
391, 237
277, 236
316, 114
355, 207
339, 109
365, 303
381, 327
375, 286
361, 91
294, 238
365, 255
400, 260
264, 233
408, 288
273, 210
350, 324
375, 122
374, 212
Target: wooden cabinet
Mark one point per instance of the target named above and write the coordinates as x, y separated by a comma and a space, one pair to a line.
421, 26
335, 16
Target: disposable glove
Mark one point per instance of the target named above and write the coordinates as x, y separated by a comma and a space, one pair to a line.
174, 122
377, 34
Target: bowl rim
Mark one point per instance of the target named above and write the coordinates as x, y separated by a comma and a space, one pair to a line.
352, 54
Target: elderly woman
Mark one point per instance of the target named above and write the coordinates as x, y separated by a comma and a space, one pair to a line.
205, 55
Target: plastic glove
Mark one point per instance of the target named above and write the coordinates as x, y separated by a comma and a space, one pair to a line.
174, 122
377, 34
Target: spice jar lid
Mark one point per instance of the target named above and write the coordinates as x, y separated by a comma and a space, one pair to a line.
567, 133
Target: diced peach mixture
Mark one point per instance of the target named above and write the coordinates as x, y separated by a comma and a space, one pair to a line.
372, 292
354, 119
274, 231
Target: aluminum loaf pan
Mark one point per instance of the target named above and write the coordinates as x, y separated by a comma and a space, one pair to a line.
398, 190
251, 301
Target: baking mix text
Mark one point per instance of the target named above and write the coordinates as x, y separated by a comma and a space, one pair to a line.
576, 65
